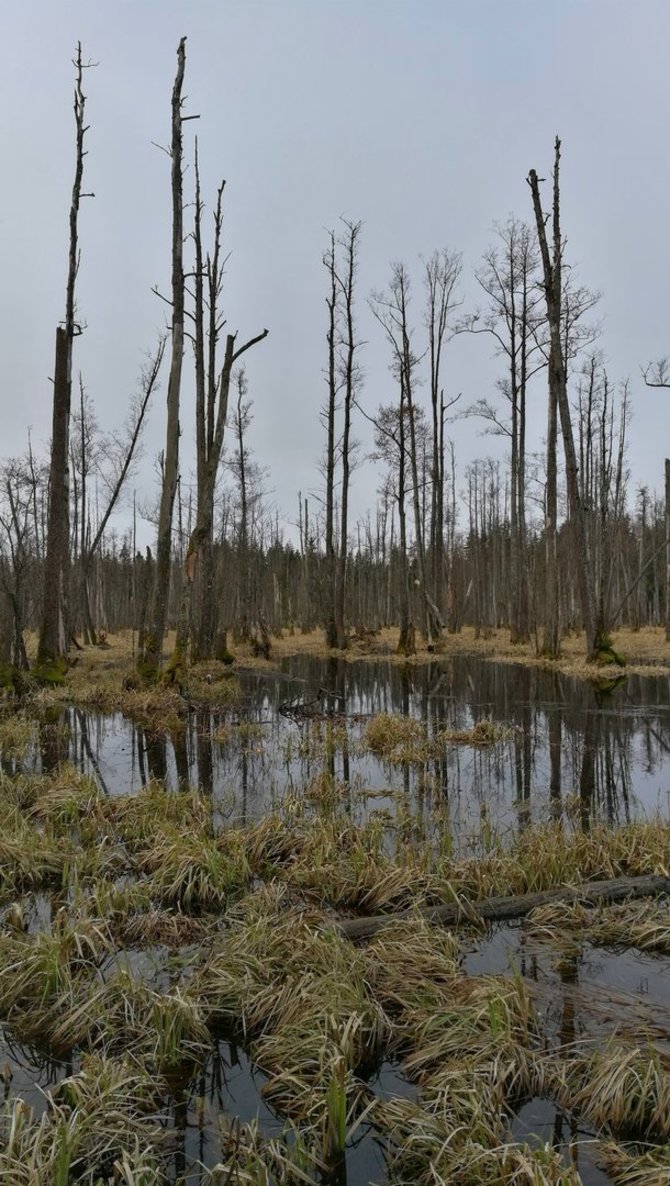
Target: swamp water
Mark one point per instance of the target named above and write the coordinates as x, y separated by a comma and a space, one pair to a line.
564, 744
565, 751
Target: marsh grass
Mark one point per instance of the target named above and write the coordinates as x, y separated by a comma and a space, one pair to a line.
635, 1166
99, 1122
194, 873
462, 1140
245, 919
252, 1159
165, 1031
644, 925
624, 1090
483, 733
482, 1020
17, 733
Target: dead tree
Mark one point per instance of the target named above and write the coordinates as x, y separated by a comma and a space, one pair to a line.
442, 274
207, 636
53, 636
150, 657
513, 319
552, 262
392, 311
343, 379
657, 374
18, 576
333, 386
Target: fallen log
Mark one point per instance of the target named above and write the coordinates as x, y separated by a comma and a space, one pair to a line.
590, 893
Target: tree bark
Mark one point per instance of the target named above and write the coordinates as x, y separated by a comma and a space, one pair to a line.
331, 564
152, 656
667, 549
346, 285
52, 646
552, 267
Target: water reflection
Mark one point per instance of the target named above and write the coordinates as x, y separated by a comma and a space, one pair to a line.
570, 750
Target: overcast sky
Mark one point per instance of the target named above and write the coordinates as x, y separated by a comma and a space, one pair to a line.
419, 117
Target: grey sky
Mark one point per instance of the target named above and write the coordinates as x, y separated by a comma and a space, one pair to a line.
420, 117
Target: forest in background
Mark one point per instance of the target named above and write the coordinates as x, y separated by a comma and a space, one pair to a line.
541, 544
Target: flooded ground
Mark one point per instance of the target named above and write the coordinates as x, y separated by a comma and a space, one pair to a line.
569, 746
562, 751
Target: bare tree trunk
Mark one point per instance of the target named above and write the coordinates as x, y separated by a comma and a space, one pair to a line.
406, 643
346, 284
551, 640
442, 272
558, 382
330, 573
667, 549
152, 656
200, 539
53, 639
203, 643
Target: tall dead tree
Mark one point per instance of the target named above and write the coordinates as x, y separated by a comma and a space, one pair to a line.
350, 379
150, 658
332, 381
52, 646
657, 374
207, 635
392, 312
552, 261
442, 273
201, 536
513, 319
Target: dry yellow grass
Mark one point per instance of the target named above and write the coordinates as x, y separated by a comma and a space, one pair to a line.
645, 651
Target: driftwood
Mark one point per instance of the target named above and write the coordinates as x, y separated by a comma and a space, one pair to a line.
591, 893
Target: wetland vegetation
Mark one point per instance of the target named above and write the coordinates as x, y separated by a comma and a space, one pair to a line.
180, 1004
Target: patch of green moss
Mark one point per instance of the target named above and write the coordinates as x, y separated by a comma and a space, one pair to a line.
50, 672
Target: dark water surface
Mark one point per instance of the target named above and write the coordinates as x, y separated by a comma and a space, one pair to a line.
569, 748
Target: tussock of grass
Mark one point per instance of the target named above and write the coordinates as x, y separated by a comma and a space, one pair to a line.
192, 873
251, 1159
165, 928
137, 819
98, 1128
624, 1090
329, 856
546, 857
643, 924
462, 1140
165, 1030
411, 965
483, 733
17, 731
483, 1019
30, 859
68, 801
635, 1167
400, 739
396, 739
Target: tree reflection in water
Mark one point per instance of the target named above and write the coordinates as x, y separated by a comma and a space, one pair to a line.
568, 751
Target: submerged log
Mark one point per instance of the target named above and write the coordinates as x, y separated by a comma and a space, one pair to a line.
590, 893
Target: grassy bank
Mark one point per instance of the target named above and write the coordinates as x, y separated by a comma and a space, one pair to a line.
646, 651
103, 677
